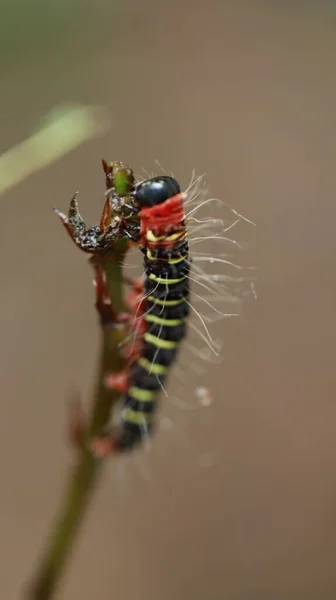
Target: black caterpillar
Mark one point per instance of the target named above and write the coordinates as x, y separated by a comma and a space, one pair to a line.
164, 243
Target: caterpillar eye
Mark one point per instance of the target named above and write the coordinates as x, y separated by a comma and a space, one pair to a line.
156, 190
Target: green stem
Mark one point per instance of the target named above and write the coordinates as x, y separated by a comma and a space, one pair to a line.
87, 470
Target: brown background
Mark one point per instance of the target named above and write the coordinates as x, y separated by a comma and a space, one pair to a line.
244, 91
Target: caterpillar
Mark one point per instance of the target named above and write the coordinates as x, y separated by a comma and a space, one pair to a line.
151, 214
164, 305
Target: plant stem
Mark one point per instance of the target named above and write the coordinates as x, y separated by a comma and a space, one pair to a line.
87, 470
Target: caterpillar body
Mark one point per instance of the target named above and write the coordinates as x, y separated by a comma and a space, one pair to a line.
164, 243
151, 214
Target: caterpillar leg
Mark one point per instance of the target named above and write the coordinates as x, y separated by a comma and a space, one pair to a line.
134, 301
117, 442
135, 296
122, 438
103, 446
117, 381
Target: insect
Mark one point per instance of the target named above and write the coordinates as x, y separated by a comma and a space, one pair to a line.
152, 215
164, 308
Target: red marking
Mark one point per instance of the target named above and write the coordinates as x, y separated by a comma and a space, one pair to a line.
117, 381
103, 447
164, 217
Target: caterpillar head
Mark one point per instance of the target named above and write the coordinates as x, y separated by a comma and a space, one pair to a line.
156, 191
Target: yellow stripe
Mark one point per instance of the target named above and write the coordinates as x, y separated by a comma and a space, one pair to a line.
165, 322
174, 261
136, 417
152, 238
160, 343
165, 302
170, 261
168, 238
167, 281
154, 368
142, 395
151, 257
175, 236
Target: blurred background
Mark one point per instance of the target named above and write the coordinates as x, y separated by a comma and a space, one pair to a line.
237, 502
